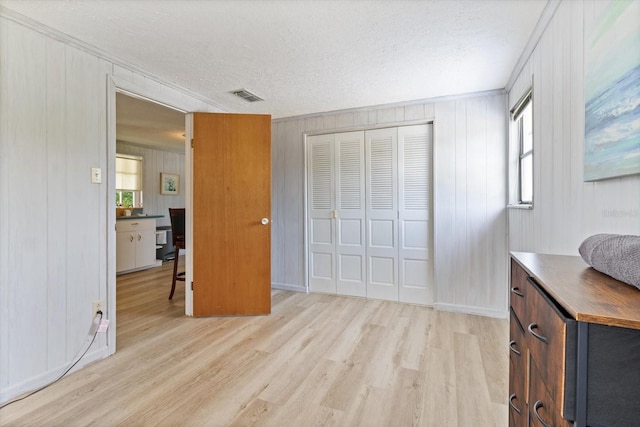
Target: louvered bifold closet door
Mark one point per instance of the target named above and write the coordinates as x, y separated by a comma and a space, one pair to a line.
350, 215
382, 213
321, 204
414, 223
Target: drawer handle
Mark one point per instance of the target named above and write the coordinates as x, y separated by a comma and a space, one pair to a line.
540, 337
513, 396
517, 292
537, 406
512, 348
131, 237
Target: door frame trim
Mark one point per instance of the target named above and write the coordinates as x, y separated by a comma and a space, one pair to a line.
167, 97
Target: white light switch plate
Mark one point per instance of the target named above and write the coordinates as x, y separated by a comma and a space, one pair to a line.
96, 175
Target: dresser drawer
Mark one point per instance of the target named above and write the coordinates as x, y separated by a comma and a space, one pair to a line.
517, 340
544, 410
551, 337
518, 356
518, 290
135, 224
585, 371
518, 408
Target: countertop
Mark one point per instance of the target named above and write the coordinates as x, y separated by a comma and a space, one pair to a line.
125, 218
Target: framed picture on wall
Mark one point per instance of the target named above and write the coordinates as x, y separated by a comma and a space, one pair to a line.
612, 93
169, 184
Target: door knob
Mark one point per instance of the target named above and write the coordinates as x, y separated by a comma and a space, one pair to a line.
265, 221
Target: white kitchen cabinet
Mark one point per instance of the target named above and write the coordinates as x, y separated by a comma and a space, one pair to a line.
135, 244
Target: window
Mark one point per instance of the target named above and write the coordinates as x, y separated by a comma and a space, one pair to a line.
522, 116
128, 181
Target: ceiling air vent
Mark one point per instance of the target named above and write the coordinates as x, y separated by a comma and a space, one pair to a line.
246, 95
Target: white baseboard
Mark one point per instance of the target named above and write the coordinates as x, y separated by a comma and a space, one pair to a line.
469, 309
40, 380
466, 309
288, 287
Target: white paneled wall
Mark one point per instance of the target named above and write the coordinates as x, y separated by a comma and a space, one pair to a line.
57, 238
469, 205
156, 162
566, 209
469, 194
57, 229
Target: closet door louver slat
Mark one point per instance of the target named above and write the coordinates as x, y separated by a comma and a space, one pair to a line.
322, 175
381, 155
416, 172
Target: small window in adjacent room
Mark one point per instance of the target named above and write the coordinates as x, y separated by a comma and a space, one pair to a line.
522, 116
128, 181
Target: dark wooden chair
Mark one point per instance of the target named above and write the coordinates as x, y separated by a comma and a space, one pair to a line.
177, 230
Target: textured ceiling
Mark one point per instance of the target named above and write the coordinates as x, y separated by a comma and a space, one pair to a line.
305, 56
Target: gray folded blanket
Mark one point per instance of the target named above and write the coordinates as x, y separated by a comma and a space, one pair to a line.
615, 255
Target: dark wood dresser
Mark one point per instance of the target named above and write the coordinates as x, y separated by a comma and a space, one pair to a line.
574, 351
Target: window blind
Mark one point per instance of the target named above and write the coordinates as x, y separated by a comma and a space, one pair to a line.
128, 173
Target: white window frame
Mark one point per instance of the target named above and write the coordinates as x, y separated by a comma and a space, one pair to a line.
517, 123
137, 198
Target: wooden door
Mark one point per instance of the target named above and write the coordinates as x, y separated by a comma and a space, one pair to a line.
231, 214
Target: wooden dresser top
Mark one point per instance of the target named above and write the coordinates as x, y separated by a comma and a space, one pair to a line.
586, 294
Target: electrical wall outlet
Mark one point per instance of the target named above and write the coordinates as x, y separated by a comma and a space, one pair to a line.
97, 306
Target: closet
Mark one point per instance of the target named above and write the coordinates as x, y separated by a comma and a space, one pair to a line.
369, 230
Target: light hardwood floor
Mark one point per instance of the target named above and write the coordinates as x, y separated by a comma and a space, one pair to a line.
316, 360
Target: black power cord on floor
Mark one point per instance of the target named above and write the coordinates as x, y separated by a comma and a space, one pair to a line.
93, 332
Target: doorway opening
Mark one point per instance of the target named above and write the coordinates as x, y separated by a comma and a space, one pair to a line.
155, 134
